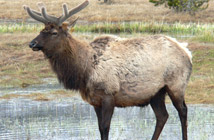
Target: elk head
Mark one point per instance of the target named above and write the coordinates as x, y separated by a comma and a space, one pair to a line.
55, 32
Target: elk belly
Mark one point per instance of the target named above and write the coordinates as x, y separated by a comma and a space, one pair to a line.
136, 94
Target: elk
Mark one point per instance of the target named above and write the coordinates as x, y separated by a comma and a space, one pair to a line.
114, 72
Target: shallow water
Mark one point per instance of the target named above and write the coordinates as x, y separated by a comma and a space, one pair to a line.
73, 119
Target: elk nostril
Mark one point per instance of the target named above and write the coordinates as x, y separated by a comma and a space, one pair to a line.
33, 44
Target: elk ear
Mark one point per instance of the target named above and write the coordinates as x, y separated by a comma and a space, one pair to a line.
65, 26
69, 26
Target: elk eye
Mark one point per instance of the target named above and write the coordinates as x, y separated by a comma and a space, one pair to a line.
54, 33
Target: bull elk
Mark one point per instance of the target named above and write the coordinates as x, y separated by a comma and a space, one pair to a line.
114, 72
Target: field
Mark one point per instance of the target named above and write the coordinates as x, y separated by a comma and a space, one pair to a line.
21, 67
116, 11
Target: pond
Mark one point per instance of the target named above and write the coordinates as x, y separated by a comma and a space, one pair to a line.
73, 119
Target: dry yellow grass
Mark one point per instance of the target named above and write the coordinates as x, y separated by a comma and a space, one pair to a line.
117, 10
18, 63
55, 95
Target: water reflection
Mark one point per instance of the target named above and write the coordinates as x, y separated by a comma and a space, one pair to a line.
72, 119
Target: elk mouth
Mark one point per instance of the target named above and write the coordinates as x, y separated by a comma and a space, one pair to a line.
37, 48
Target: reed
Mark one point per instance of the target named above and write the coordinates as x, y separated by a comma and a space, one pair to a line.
198, 32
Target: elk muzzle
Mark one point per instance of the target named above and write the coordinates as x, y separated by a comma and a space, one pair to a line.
35, 46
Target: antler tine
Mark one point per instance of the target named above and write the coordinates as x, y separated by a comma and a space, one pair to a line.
48, 17
65, 8
71, 12
35, 15
25, 7
42, 5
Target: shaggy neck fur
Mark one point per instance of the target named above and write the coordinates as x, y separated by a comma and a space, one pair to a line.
72, 64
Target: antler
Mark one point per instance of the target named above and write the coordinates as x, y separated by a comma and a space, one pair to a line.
45, 18
73, 11
35, 15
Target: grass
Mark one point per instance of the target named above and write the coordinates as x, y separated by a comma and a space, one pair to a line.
19, 65
199, 32
12, 28
53, 95
201, 85
146, 27
125, 27
117, 10
205, 36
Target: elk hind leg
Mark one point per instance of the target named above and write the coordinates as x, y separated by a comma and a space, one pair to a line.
158, 105
177, 97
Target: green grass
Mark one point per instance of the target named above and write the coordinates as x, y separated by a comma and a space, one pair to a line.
205, 36
21, 27
199, 32
142, 27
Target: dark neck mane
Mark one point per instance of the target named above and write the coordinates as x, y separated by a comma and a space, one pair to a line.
73, 64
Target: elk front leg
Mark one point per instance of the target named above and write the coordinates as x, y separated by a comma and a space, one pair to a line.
98, 111
104, 115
